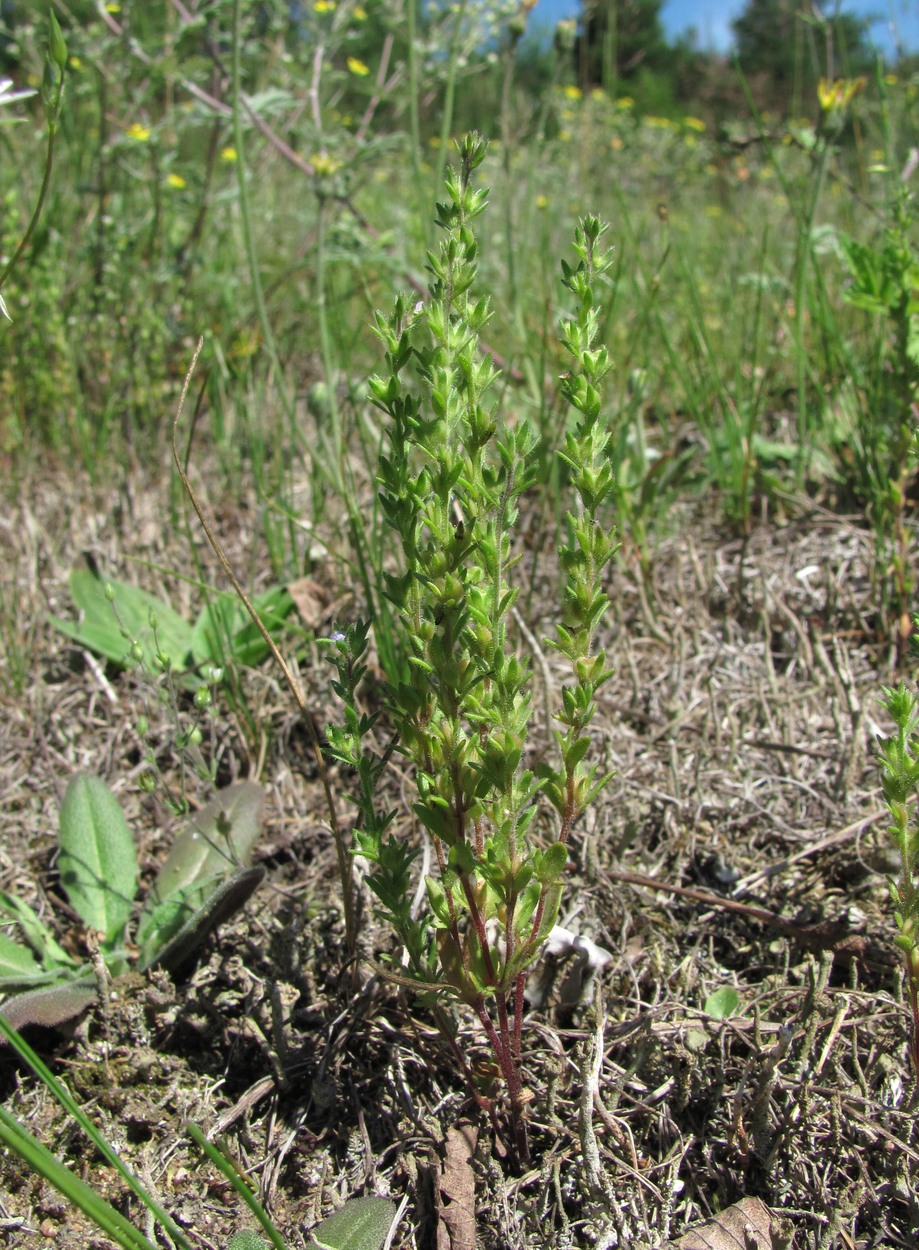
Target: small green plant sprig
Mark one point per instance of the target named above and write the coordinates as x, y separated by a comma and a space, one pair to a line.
450, 481
899, 757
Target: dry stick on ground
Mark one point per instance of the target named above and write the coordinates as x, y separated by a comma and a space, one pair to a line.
833, 839
826, 935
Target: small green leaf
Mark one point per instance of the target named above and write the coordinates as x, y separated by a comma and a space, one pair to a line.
17, 963
722, 1003
109, 626
247, 1240
98, 863
36, 932
550, 864
361, 1224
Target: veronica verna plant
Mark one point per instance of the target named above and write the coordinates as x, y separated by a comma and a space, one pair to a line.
450, 480
899, 756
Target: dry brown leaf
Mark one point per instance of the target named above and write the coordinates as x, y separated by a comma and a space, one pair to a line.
747, 1225
311, 600
455, 1198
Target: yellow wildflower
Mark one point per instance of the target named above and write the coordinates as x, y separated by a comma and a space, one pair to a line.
360, 14
113, 8
138, 132
324, 165
571, 92
694, 123
228, 155
542, 201
891, 80
324, 6
836, 94
176, 181
358, 67
625, 102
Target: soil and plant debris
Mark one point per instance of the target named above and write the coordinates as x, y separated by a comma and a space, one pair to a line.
747, 1039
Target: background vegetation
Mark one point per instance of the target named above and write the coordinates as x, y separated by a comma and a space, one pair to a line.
263, 175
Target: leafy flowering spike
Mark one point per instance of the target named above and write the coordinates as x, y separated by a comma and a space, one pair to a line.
450, 476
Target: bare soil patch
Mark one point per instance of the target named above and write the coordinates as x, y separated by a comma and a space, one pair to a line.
742, 844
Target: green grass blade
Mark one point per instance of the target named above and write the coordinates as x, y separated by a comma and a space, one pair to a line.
72, 1107
233, 1175
40, 1159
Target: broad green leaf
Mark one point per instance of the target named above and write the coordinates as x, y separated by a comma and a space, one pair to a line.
109, 628
361, 1224
98, 863
215, 901
722, 1003
36, 932
224, 629
160, 923
218, 841
50, 1006
17, 963
201, 884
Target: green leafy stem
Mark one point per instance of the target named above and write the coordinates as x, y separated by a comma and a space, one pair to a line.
450, 480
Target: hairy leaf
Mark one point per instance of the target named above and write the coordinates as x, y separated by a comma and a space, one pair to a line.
53, 1005
217, 842
361, 1224
98, 863
171, 946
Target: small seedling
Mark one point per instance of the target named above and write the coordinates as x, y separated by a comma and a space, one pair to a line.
204, 880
